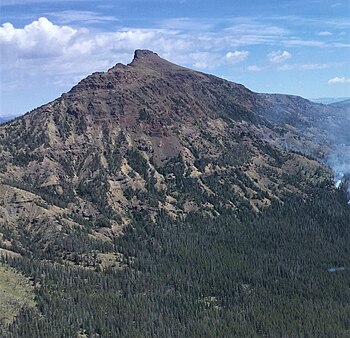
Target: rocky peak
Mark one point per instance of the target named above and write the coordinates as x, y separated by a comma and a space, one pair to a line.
144, 53
144, 64
150, 60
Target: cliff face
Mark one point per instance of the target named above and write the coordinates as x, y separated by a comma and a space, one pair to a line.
153, 137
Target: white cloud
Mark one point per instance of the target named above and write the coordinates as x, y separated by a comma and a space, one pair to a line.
304, 43
279, 56
186, 24
325, 33
236, 56
254, 68
87, 17
338, 23
307, 21
39, 39
338, 79
61, 53
203, 60
307, 66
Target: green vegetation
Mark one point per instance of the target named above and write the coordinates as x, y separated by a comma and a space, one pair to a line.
16, 293
220, 271
252, 276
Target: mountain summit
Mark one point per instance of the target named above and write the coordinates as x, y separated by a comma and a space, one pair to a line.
144, 53
149, 59
147, 55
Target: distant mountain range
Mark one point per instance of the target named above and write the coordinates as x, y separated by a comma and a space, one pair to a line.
345, 104
154, 200
4, 119
329, 100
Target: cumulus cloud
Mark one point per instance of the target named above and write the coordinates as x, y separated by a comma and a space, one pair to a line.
338, 79
279, 56
38, 39
203, 60
236, 56
325, 33
63, 54
42, 38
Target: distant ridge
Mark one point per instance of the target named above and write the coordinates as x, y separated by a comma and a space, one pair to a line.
342, 104
6, 118
329, 100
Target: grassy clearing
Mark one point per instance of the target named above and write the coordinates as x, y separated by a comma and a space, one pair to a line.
16, 291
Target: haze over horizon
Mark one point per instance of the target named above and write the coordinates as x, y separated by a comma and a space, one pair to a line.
299, 48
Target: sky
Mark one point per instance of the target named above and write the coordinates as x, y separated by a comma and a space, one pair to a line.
292, 47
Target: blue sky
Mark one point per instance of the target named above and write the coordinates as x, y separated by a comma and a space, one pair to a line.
294, 47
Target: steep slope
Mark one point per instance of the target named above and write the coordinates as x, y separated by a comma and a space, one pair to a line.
311, 128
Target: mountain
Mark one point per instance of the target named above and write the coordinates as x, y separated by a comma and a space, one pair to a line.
154, 200
342, 104
6, 118
329, 100
104, 149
